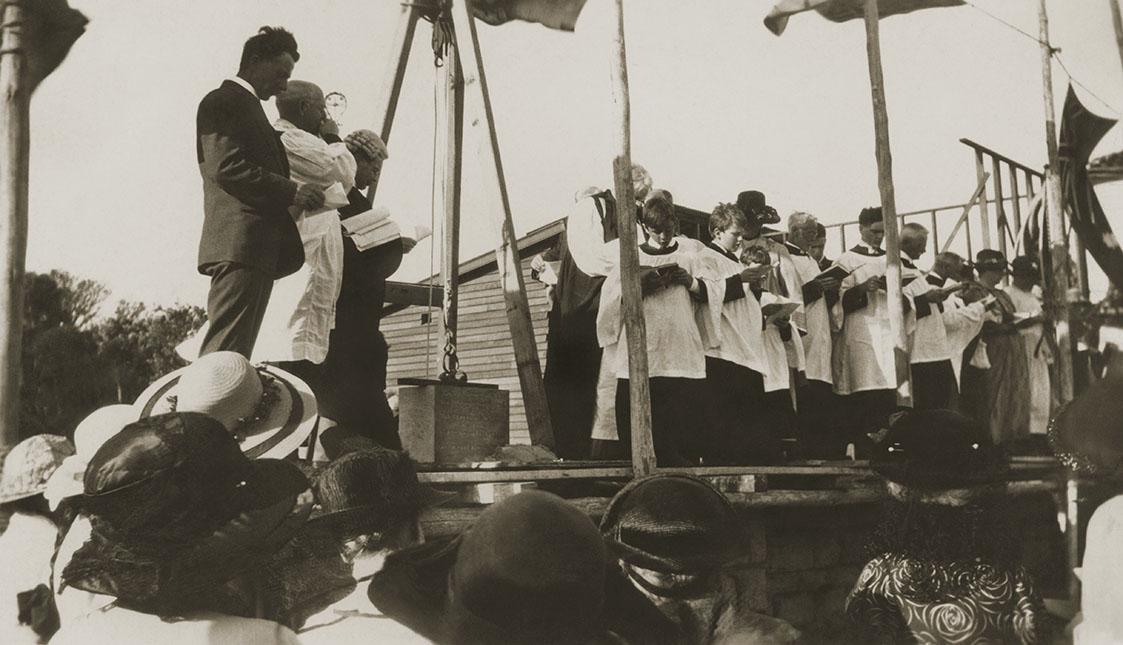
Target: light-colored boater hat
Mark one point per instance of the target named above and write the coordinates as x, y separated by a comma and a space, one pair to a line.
91, 433
269, 411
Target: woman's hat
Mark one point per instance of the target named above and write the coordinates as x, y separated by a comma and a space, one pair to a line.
363, 492
91, 433
990, 260
753, 205
1086, 434
29, 465
532, 569
177, 509
1025, 266
673, 524
937, 449
270, 411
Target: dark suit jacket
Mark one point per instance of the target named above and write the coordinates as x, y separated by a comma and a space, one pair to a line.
246, 189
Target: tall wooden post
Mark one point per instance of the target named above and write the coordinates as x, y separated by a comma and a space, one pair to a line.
453, 107
479, 116
15, 100
1058, 248
1117, 22
888, 205
643, 450
391, 89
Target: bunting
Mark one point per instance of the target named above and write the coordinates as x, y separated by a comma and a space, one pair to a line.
555, 14
843, 10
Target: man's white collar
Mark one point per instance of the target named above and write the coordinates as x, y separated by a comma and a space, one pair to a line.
244, 83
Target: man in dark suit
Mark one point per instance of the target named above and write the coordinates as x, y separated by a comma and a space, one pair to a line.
249, 238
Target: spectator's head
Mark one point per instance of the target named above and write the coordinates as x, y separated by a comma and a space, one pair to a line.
819, 246
531, 569
371, 500
1025, 272
937, 456
178, 512
991, 266
302, 104
659, 222
672, 533
28, 467
641, 183
269, 411
949, 265
727, 226
914, 240
871, 226
803, 230
369, 151
268, 59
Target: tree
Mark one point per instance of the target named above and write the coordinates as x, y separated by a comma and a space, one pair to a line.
81, 297
137, 345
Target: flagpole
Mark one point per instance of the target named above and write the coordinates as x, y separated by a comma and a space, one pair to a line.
1058, 248
14, 150
888, 205
643, 450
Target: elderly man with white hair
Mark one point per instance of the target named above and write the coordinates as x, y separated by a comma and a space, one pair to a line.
580, 391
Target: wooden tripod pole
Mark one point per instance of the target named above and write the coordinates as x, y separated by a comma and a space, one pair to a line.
888, 205
14, 150
1058, 250
1117, 23
643, 450
391, 89
481, 120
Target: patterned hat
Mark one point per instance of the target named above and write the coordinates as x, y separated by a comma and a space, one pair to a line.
270, 411
368, 143
1085, 433
30, 464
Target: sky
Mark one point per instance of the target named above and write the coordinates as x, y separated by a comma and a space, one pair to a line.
719, 105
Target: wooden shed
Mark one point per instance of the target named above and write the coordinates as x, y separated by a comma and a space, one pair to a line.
483, 338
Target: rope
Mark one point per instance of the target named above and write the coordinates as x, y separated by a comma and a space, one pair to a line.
1055, 52
432, 242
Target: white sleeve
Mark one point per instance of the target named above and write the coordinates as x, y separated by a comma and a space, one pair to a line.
584, 234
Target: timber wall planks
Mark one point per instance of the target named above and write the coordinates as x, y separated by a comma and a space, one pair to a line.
483, 340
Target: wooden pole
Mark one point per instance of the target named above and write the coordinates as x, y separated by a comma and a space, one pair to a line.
1117, 22
1058, 247
888, 206
643, 448
14, 150
391, 89
479, 115
979, 190
450, 239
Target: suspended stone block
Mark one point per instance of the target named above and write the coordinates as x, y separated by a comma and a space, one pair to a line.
452, 423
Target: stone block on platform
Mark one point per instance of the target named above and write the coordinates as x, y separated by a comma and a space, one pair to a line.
452, 423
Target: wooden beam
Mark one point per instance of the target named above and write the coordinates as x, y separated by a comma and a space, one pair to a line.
1117, 23
391, 91
15, 98
643, 447
888, 205
964, 215
984, 204
410, 294
1058, 295
481, 120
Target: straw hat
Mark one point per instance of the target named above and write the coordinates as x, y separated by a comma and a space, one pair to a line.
91, 433
30, 464
269, 411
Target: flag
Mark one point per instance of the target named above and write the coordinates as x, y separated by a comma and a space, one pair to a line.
1080, 132
50, 29
843, 10
555, 14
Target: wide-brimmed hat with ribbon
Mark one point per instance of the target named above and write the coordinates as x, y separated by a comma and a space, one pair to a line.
28, 466
673, 524
177, 510
753, 204
532, 569
937, 450
91, 433
270, 411
365, 491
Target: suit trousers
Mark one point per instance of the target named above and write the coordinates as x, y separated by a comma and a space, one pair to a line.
235, 307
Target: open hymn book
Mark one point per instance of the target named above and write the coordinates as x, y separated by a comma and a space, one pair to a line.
375, 227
